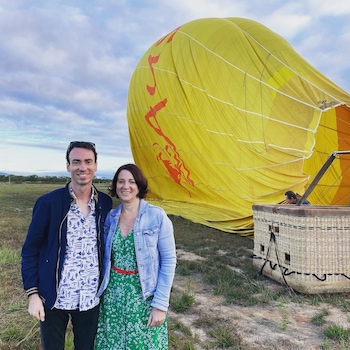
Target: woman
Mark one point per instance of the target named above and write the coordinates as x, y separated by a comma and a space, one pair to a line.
141, 248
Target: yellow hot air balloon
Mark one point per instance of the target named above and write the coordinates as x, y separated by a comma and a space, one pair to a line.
224, 114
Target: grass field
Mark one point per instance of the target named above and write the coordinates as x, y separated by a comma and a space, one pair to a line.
215, 293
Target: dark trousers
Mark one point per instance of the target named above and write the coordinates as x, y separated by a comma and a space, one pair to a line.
53, 329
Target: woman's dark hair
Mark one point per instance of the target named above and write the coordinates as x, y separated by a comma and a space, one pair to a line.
140, 179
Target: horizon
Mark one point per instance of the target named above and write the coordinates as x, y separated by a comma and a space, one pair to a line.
105, 175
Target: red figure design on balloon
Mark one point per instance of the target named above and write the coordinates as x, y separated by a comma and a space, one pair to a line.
168, 155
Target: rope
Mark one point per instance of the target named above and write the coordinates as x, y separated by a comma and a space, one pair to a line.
286, 273
273, 240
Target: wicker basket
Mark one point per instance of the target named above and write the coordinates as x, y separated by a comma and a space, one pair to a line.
306, 247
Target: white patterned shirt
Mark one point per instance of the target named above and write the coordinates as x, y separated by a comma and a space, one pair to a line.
80, 273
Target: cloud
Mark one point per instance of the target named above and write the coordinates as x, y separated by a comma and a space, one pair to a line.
328, 8
65, 67
207, 8
288, 20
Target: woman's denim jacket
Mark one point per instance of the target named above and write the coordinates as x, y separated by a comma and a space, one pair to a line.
155, 252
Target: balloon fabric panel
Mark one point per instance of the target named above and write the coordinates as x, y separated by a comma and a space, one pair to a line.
223, 114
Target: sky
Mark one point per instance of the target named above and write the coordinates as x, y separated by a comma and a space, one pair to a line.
66, 66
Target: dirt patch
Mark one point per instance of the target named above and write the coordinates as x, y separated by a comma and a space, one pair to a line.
183, 255
281, 327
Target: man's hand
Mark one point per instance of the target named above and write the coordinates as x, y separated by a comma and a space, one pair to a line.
156, 318
36, 307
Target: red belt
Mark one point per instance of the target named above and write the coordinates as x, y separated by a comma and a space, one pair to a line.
124, 271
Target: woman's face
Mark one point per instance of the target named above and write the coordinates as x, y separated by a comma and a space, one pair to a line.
127, 189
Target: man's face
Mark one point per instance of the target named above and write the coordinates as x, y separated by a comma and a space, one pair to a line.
291, 200
82, 166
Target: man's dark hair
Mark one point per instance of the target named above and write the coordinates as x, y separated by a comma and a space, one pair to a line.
81, 144
140, 179
290, 195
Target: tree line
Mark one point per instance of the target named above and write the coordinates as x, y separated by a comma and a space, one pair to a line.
18, 179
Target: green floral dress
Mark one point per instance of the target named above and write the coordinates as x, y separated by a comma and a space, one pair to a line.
122, 323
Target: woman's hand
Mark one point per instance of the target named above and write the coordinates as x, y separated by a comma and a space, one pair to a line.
156, 318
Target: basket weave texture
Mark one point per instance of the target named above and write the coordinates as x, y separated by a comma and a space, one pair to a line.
306, 247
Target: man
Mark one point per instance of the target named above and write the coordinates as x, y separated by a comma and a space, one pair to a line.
63, 251
291, 198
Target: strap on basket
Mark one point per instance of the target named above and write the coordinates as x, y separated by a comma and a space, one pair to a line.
273, 240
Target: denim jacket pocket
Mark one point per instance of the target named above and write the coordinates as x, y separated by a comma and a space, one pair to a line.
151, 236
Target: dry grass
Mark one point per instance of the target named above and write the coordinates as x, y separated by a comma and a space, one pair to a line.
17, 329
218, 301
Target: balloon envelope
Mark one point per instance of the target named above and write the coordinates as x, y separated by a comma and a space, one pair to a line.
223, 114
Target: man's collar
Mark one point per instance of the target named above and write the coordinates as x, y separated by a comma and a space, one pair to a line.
94, 195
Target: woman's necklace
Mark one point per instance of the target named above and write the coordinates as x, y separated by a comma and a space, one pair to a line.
126, 220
